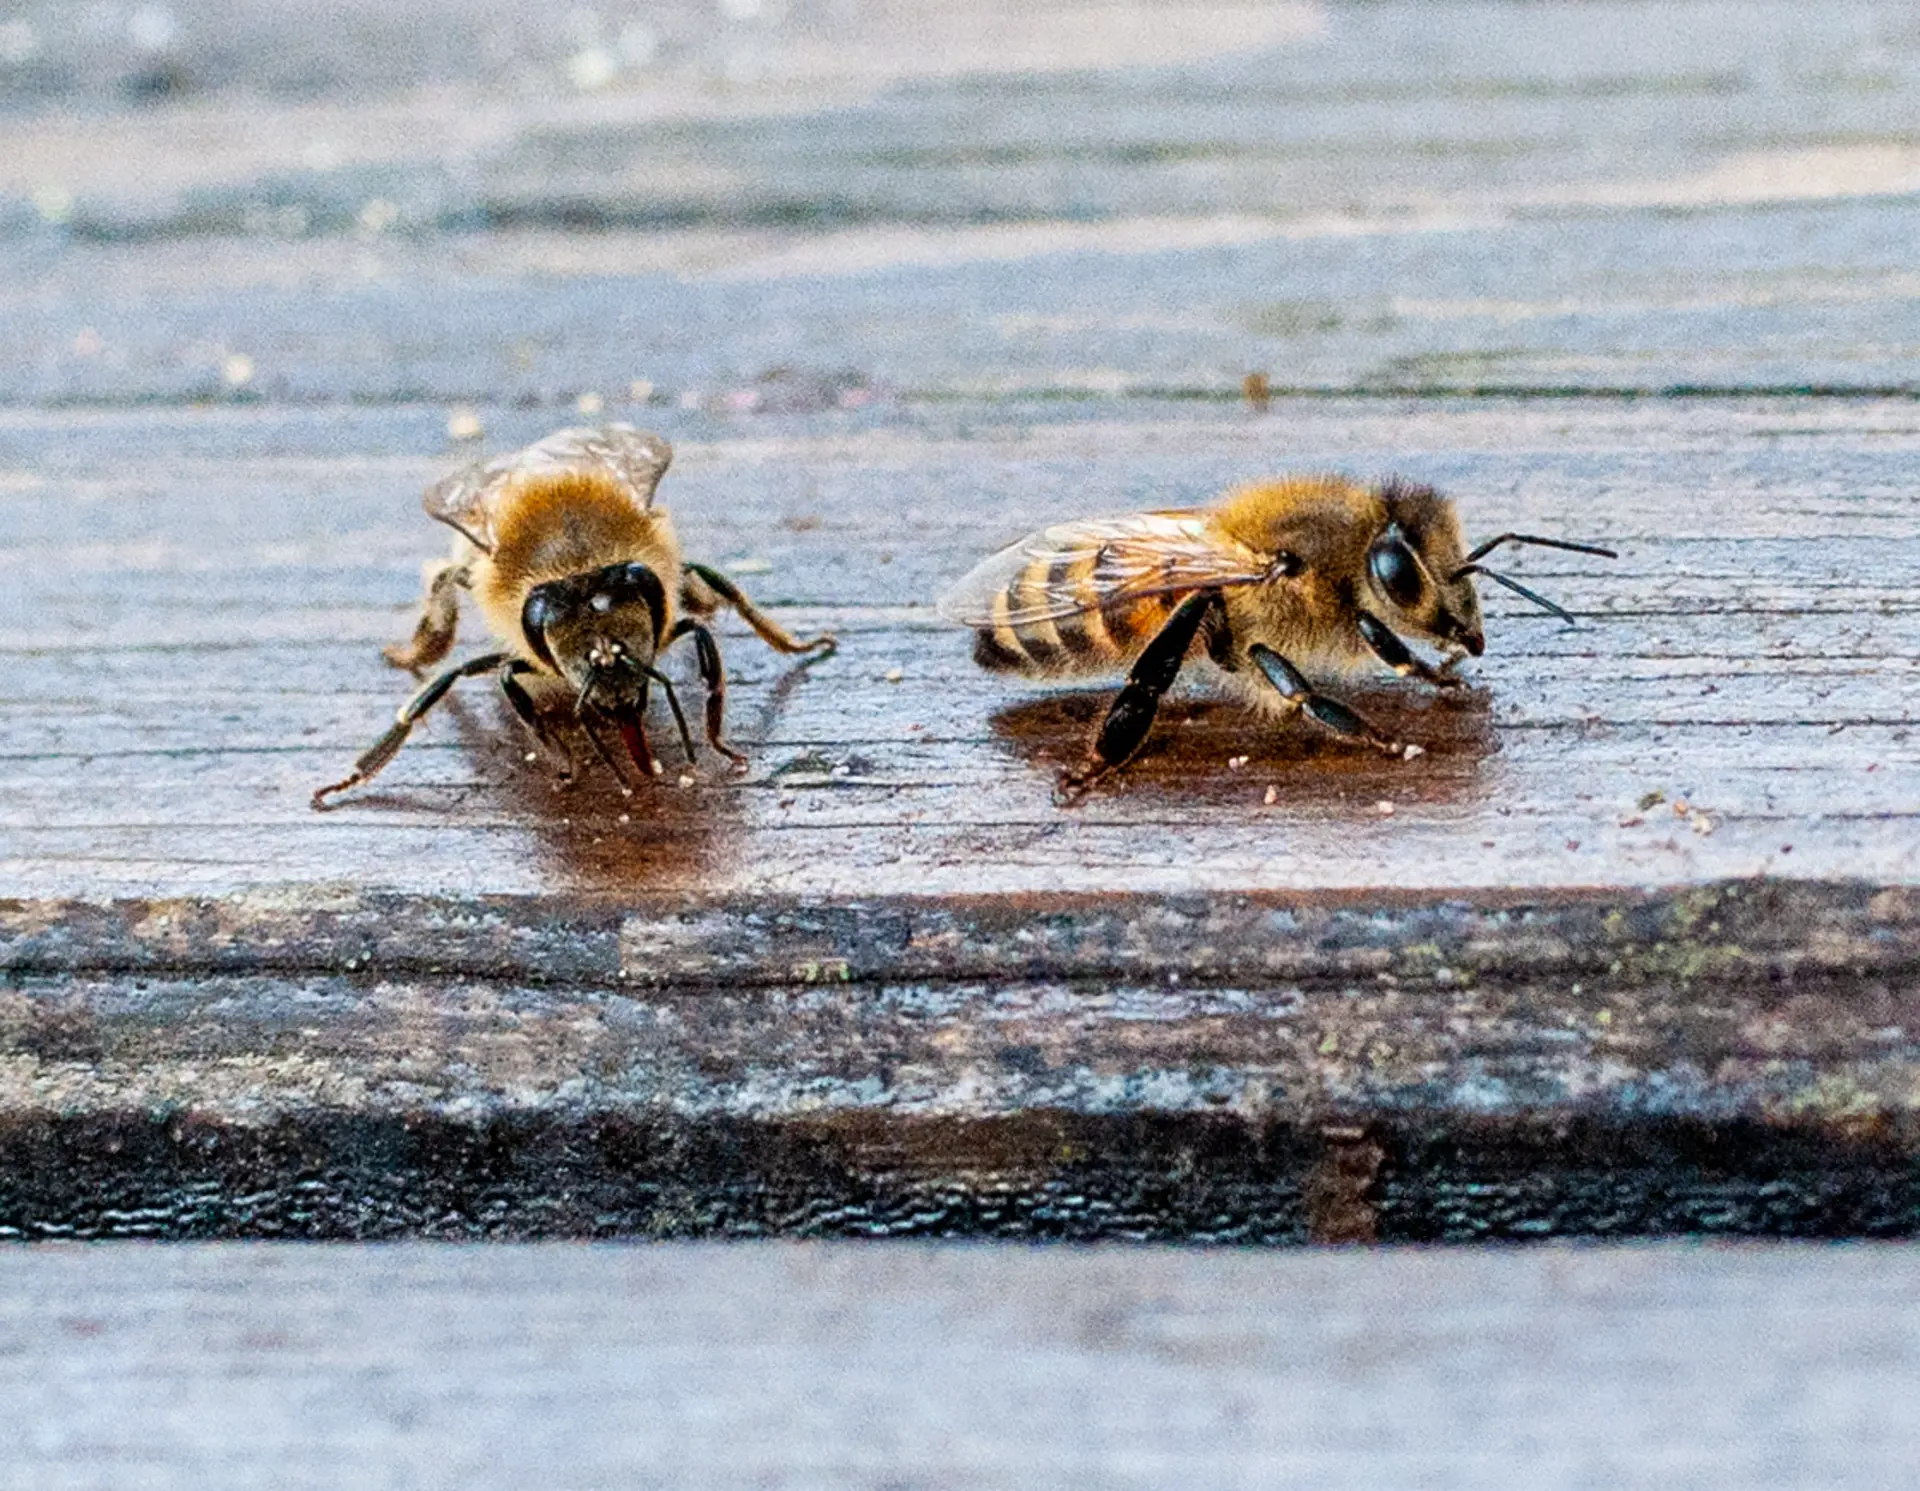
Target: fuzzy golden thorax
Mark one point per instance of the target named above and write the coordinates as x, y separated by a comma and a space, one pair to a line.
1391, 550
581, 581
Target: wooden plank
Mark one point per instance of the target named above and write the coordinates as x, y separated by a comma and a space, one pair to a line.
811, 1365
1614, 271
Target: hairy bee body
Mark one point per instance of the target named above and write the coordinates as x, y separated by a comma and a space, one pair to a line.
552, 525
581, 581
1279, 581
1124, 588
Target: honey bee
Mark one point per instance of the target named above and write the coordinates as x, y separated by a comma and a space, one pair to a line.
1277, 582
581, 581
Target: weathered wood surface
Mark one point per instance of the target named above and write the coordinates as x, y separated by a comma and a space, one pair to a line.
196, 642
822, 1366
1629, 948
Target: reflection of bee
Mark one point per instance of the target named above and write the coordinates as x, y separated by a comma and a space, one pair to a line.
1284, 578
580, 578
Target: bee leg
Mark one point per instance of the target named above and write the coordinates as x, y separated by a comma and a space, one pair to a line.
523, 707
714, 675
383, 750
1292, 686
633, 735
1131, 714
702, 577
432, 638
1397, 656
673, 703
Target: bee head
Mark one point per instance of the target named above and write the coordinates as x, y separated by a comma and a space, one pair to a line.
1414, 571
599, 631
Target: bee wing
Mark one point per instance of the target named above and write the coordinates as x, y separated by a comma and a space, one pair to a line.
1112, 559
635, 458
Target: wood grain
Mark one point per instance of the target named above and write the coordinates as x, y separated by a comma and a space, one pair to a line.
1745, 660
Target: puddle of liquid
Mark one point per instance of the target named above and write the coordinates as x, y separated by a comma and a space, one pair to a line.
1213, 751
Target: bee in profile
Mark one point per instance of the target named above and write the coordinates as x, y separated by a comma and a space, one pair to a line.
1277, 583
582, 584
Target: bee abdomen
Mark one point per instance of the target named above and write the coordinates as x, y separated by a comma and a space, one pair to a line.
995, 656
1105, 631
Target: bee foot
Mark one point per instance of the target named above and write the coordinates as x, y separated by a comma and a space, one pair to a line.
1072, 787
318, 802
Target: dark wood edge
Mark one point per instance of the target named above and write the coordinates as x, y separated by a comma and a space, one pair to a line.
1766, 929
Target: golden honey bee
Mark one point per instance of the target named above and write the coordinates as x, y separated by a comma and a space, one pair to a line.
1277, 582
581, 581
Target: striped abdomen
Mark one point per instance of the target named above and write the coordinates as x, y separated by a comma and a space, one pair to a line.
1106, 632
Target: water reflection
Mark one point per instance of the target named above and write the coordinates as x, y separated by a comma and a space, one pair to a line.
596, 832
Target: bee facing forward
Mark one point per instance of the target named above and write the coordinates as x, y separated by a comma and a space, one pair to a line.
1278, 582
580, 579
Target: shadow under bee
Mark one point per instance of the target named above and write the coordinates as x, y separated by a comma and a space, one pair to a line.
1215, 751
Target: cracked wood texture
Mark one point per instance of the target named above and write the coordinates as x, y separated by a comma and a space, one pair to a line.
1629, 948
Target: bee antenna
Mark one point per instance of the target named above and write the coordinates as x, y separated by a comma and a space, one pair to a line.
586, 690
1518, 589
1540, 543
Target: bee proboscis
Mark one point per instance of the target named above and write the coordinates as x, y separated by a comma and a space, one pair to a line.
1278, 583
581, 581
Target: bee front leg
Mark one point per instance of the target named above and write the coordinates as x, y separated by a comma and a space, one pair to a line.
1292, 685
383, 750
1399, 657
525, 711
719, 588
432, 638
1132, 712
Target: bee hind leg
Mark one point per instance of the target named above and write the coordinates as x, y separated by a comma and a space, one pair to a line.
432, 637
1130, 717
1291, 684
376, 756
706, 588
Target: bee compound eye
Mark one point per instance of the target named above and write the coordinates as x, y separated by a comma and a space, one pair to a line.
1397, 572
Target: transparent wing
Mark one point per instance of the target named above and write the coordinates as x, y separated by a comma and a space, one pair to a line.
1098, 560
636, 458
